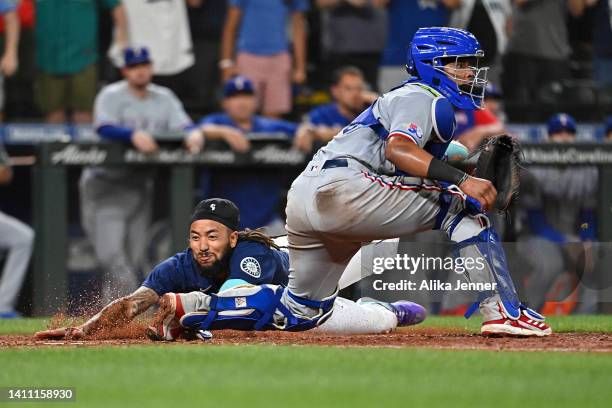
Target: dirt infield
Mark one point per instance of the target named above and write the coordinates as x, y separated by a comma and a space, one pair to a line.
435, 338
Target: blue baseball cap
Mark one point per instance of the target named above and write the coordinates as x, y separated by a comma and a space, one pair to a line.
608, 126
492, 91
561, 122
238, 85
135, 56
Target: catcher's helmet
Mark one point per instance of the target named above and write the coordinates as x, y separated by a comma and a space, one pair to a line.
432, 48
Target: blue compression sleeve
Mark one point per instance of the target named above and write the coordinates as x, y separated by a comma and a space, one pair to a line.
115, 133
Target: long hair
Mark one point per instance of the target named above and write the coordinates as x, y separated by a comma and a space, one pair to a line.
257, 236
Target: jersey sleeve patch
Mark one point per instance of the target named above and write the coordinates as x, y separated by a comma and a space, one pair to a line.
404, 135
250, 266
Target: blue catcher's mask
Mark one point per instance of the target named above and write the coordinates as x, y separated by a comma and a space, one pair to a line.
447, 59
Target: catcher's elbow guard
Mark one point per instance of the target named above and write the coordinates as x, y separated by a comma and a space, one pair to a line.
456, 152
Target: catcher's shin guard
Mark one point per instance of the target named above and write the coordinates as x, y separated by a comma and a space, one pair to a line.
487, 244
256, 308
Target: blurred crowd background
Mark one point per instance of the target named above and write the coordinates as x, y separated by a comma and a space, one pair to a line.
546, 55
225, 71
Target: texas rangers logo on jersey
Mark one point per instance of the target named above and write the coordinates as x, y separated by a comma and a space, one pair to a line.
251, 266
414, 131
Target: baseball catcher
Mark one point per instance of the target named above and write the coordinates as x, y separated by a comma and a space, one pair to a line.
383, 176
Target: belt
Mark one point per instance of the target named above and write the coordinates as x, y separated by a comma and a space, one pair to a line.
333, 163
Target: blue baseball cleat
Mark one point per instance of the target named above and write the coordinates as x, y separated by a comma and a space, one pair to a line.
407, 313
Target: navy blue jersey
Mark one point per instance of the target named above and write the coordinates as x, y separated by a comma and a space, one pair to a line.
328, 115
250, 261
257, 195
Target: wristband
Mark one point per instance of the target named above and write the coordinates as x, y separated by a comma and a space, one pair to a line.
438, 170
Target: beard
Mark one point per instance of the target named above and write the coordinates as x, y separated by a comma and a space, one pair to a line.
218, 270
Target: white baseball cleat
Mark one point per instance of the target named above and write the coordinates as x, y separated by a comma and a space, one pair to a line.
498, 323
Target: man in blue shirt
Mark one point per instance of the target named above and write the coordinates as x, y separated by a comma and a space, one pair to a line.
256, 33
219, 257
236, 125
350, 98
405, 18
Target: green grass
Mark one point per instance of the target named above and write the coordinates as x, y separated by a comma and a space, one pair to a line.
179, 375
560, 324
268, 376
22, 326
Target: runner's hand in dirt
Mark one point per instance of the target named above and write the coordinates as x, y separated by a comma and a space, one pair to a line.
68, 333
114, 315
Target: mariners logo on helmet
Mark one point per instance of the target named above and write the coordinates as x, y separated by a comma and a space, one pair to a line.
251, 266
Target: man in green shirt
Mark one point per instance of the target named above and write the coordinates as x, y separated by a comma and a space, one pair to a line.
66, 55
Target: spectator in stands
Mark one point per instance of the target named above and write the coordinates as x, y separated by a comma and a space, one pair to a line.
19, 88
236, 125
494, 101
608, 129
206, 23
9, 59
550, 225
17, 239
66, 55
350, 98
405, 17
255, 45
602, 44
474, 126
117, 203
163, 28
353, 33
535, 63
484, 18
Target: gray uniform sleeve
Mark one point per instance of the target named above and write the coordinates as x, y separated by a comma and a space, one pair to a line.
106, 109
177, 117
407, 115
4, 159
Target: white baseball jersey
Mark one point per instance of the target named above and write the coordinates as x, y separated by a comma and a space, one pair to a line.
161, 26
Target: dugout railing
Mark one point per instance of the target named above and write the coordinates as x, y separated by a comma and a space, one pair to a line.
53, 160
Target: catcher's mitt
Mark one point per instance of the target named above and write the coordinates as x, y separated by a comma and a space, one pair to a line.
500, 162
